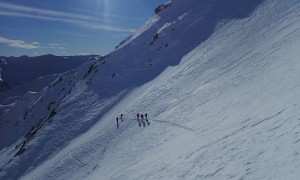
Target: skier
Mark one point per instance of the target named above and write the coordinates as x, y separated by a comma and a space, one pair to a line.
138, 119
142, 120
146, 118
117, 119
122, 117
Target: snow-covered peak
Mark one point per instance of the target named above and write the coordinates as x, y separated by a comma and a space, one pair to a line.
2, 62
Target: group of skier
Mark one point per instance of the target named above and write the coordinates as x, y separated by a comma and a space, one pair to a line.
142, 119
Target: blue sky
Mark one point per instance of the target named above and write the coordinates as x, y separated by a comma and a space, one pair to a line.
69, 27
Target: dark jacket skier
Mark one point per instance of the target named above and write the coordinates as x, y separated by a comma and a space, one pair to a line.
146, 118
142, 120
138, 119
117, 119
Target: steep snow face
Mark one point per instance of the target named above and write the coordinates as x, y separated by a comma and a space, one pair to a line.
219, 81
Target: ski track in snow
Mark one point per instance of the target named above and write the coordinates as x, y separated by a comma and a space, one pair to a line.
175, 125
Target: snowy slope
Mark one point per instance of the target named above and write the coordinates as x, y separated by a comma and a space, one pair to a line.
220, 85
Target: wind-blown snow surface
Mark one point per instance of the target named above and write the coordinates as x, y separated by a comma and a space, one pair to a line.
222, 98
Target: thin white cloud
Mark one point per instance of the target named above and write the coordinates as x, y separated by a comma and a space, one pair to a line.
35, 43
7, 9
108, 28
57, 44
94, 13
57, 47
17, 43
43, 12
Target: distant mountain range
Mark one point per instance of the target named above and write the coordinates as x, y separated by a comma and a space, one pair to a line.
21, 74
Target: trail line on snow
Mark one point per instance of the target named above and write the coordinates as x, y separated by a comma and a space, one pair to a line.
81, 163
268, 118
176, 125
